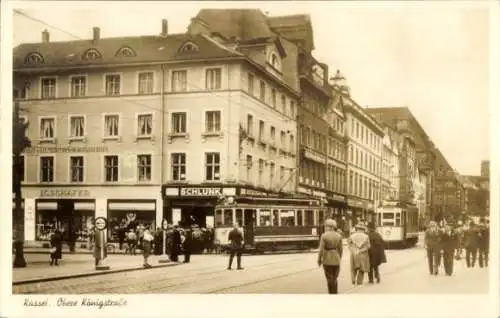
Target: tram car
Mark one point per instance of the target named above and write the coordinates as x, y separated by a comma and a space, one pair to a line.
398, 225
269, 224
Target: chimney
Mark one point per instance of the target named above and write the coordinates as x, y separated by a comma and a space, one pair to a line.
96, 33
45, 36
164, 27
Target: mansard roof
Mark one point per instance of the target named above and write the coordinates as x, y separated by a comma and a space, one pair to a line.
146, 49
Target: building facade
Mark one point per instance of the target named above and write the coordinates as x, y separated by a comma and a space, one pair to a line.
390, 165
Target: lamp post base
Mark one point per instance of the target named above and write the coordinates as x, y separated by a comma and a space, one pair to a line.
163, 259
101, 266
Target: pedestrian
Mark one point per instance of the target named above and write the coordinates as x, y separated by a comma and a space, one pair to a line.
448, 243
483, 243
235, 247
359, 244
131, 242
432, 244
55, 247
471, 241
376, 253
147, 240
459, 231
176, 244
188, 245
330, 254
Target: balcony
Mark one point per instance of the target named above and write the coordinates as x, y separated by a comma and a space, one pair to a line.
314, 72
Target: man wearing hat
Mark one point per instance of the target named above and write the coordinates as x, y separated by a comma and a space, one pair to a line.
483, 242
432, 244
359, 244
376, 253
330, 254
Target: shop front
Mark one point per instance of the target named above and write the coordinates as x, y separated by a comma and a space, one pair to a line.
73, 209
336, 209
193, 204
357, 209
126, 214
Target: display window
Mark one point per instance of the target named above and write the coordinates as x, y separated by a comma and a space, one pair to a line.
119, 222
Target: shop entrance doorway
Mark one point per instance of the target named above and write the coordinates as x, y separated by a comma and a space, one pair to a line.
195, 215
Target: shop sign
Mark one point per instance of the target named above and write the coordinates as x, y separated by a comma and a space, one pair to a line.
46, 193
336, 197
252, 192
319, 194
354, 203
200, 192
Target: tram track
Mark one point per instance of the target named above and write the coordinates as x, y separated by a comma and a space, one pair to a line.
350, 290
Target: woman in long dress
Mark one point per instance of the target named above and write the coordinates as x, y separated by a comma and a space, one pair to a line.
359, 244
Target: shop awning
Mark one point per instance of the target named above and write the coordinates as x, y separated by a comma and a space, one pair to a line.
132, 206
46, 205
88, 206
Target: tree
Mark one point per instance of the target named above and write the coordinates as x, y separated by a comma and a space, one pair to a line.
19, 142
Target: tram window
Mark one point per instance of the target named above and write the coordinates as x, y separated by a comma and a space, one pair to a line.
388, 216
287, 217
299, 218
228, 217
239, 217
265, 218
218, 218
309, 218
321, 217
276, 218
398, 219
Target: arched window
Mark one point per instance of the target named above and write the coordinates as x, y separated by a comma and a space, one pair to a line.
33, 58
275, 61
189, 47
126, 52
91, 54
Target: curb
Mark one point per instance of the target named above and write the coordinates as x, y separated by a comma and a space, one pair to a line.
96, 273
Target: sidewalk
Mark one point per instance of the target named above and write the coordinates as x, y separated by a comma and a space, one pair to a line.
77, 265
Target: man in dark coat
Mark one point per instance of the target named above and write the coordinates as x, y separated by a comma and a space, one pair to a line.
235, 247
483, 243
176, 244
448, 244
432, 241
188, 244
376, 252
56, 246
471, 238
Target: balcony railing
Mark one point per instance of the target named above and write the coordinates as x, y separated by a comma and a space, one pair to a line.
316, 72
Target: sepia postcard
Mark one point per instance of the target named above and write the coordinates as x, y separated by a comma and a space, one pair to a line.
254, 159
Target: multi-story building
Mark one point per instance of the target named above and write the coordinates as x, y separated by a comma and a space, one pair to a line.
365, 137
402, 120
485, 168
153, 127
322, 169
449, 190
390, 165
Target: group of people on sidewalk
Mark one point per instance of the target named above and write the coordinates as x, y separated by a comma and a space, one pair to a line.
367, 253
446, 242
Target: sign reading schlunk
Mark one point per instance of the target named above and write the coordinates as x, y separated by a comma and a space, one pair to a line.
200, 192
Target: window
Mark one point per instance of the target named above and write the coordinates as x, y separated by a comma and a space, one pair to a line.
212, 121
179, 81
189, 48
261, 130
308, 218
272, 134
283, 139
33, 58
179, 123
261, 170
91, 54
48, 88
276, 218
213, 78
262, 91
125, 52
144, 167
212, 166
282, 176
46, 169
111, 168
265, 217
144, 125
76, 168
47, 128
228, 217
250, 125
249, 165
283, 104
287, 218
273, 98
111, 125
178, 166
250, 84
77, 124
292, 143
145, 83
113, 85
271, 173
292, 109
78, 86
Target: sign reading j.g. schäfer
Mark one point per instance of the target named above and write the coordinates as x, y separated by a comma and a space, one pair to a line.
200, 192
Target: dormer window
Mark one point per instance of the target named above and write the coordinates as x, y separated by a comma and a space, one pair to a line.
189, 47
33, 58
91, 54
275, 61
125, 52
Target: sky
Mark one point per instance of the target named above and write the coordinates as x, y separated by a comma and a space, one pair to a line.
433, 59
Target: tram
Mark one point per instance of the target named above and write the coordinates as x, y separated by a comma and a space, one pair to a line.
398, 224
269, 224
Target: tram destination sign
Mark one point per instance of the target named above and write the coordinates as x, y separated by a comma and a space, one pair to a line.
200, 192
